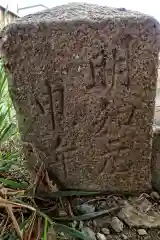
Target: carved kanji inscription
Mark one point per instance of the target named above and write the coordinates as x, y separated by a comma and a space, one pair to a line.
86, 77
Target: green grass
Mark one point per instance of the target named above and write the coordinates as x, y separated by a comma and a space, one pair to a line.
8, 125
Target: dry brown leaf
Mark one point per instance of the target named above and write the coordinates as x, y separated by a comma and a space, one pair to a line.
4, 227
38, 227
5, 202
51, 187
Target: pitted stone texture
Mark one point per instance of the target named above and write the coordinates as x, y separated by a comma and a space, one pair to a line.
83, 80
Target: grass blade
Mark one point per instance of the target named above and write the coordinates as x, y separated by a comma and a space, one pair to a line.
71, 232
45, 229
13, 184
88, 216
8, 132
14, 221
59, 194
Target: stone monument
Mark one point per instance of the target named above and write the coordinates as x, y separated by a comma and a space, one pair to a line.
83, 82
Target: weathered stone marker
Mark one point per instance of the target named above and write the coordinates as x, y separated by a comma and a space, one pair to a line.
83, 81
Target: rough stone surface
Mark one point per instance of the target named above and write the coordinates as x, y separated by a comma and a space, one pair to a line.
155, 195
133, 217
142, 232
83, 82
85, 208
143, 204
106, 231
89, 233
117, 225
124, 237
101, 236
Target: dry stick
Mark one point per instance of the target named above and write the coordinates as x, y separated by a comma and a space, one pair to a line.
2, 222
5, 202
51, 209
4, 227
96, 199
38, 175
38, 229
30, 227
14, 221
9, 210
70, 212
13, 193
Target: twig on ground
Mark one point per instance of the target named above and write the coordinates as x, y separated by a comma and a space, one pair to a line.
9, 210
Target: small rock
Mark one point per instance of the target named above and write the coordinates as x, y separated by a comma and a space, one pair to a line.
142, 232
106, 231
134, 218
155, 195
86, 208
101, 236
64, 72
124, 237
102, 205
111, 203
94, 223
102, 222
74, 224
143, 204
89, 233
88, 223
62, 234
117, 225
81, 224
116, 198
62, 213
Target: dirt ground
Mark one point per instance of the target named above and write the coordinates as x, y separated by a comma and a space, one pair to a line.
131, 234
144, 204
